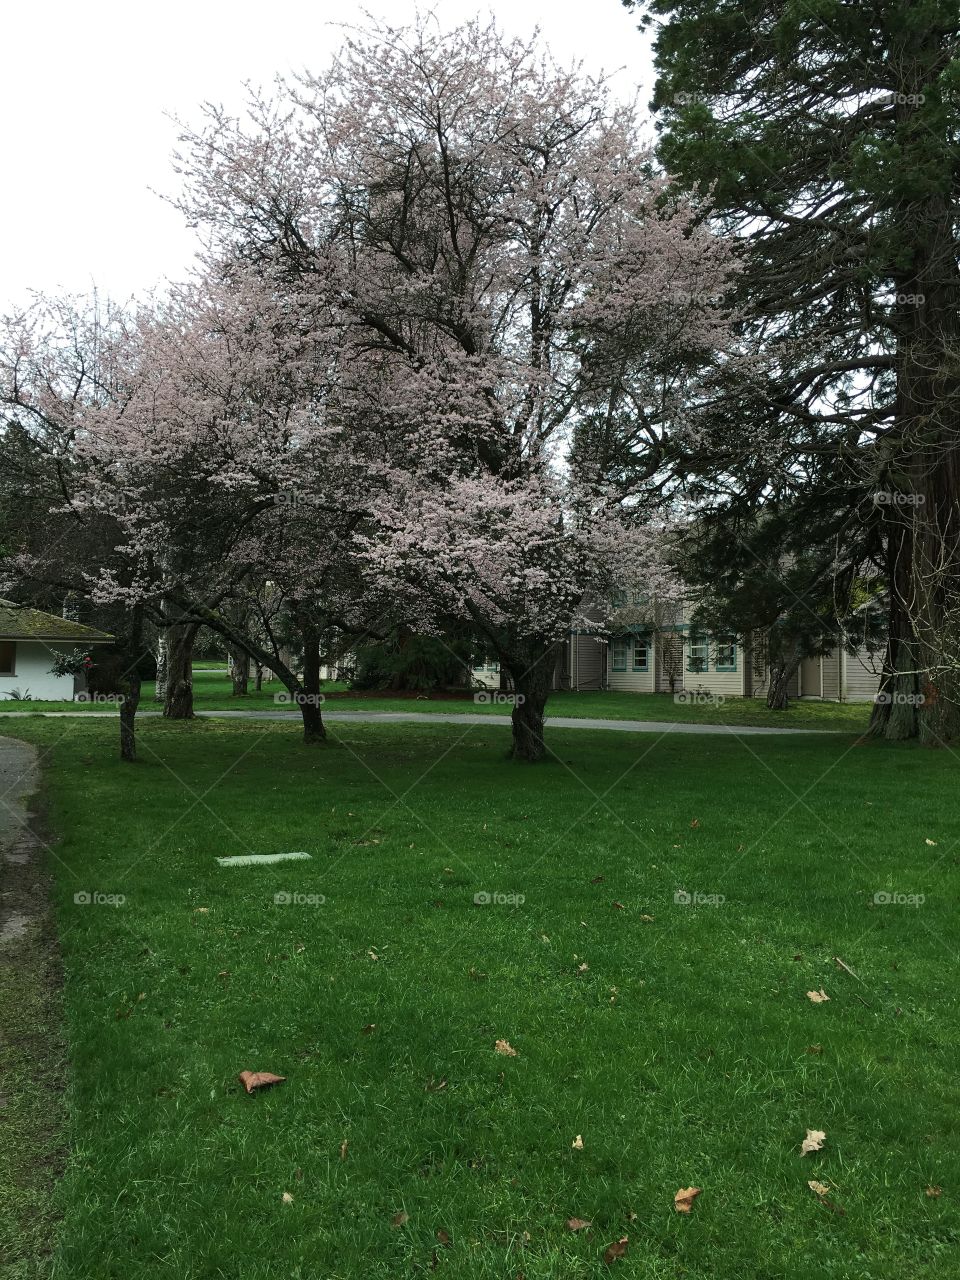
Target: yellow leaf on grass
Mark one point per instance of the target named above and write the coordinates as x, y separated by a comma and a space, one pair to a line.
683, 1200
505, 1047
577, 1143
817, 997
813, 1141
253, 1080
614, 1252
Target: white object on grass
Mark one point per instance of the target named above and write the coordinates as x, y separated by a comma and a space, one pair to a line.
258, 859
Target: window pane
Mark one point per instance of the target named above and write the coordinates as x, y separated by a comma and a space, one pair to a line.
8, 657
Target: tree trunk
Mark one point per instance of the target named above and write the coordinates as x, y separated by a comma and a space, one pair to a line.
531, 668
239, 671
310, 699
178, 704
782, 672
921, 505
258, 677
160, 692
130, 688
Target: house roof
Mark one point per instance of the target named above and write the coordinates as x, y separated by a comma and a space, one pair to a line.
20, 623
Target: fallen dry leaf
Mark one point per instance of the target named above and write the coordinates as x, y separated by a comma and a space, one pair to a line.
817, 997
933, 1193
434, 1086
598, 880
813, 1141
201, 911
822, 1192
577, 1143
814, 1048
695, 822
618, 906
683, 1200
400, 1219
505, 1047
647, 919
343, 1149
582, 968
253, 1080
287, 1198
371, 1026
929, 841
615, 1251
578, 1224
443, 1237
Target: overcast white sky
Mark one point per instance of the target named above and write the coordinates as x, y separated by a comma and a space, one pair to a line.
85, 91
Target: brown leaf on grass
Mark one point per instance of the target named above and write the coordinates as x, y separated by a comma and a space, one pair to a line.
506, 1048
343, 1149
443, 1237
618, 906
201, 911
598, 879
253, 1080
814, 1048
582, 968
695, 823
933, 1193
683, 1200
578, 1224
813, 1141
822, 1192
577, 1143
614, 1252
434, 1086
371, 1026
817, 997
400, 1219
647, 919
287, 1198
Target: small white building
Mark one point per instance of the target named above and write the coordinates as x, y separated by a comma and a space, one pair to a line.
30, 642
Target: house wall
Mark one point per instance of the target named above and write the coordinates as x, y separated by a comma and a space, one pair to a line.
861, 676
33, 662
831, 675
487, 675
588, 659
630, 680
726, 684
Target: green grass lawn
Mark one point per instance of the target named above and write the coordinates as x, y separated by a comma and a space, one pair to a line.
212, 692
676, 1038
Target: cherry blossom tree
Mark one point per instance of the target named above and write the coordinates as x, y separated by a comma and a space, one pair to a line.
197, 442
487, 237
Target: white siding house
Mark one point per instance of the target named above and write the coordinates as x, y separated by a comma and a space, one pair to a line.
676, 657
29, 643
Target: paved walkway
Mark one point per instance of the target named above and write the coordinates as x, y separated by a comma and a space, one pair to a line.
433, 717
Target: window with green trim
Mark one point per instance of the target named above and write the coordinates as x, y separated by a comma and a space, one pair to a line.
619, 651
698, 657
726, 654
641, 653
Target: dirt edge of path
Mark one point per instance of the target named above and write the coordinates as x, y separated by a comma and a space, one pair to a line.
32, 1047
